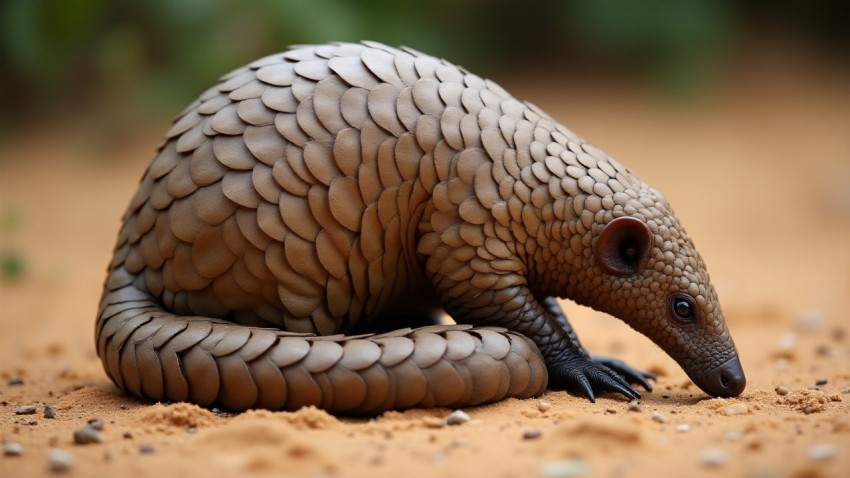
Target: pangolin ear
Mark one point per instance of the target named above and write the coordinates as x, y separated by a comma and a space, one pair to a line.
623, 246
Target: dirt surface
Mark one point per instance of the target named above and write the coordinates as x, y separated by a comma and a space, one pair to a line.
759, 173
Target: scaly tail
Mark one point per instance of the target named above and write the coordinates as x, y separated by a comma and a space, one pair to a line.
153, 353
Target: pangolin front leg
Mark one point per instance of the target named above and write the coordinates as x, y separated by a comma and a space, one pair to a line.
633, 376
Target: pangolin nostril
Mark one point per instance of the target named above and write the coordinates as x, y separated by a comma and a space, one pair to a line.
725, 380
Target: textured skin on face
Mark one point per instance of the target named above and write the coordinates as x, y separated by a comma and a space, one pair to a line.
332, 187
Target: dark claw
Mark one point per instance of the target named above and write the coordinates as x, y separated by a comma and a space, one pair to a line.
586, 375
616, 383
629, 374
584, 383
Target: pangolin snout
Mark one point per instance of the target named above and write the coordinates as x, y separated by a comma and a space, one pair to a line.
725, 380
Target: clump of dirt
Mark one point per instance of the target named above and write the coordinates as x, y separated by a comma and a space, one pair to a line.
174, 418
808, 400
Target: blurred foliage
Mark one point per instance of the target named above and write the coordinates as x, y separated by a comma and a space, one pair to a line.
67, 58
12, 265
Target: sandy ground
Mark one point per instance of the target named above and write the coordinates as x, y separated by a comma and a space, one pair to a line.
759, 173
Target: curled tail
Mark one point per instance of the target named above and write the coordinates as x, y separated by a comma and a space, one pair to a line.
152, 353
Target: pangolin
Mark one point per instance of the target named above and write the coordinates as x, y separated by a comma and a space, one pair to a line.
359, 188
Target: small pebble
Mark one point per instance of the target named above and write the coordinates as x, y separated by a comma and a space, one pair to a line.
821, 381
544, 406
48, 411
531, 434
13, 449
216, 411
822, 452
737, 409
146, 449
15, 381
25, 409
713, 457
191, 430
96, 423
87, 435
658, 417
122, 406
612, 411
665, 396
845, 390
127, 435
781, 390
683, 428
457, 417
59, 461
563, 469
634, 406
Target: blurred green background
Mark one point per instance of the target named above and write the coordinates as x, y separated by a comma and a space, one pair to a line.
135, 59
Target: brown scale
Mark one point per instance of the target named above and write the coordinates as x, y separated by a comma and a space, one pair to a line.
358, 187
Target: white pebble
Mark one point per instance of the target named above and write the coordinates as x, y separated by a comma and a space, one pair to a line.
87, 435
25, 410
658, 417
13, 449
59, 461
563, 469
713, 457
732, 435
544, 406
683, 428
633, 406
823, 452
457, 417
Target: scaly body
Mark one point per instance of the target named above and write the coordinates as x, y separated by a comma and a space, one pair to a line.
353, 188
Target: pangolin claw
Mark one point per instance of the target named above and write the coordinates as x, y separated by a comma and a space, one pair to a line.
589, 376
630, 374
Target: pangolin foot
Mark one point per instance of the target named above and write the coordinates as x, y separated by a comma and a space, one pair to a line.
587, 375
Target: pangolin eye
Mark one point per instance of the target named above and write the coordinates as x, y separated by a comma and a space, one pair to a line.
683, 307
